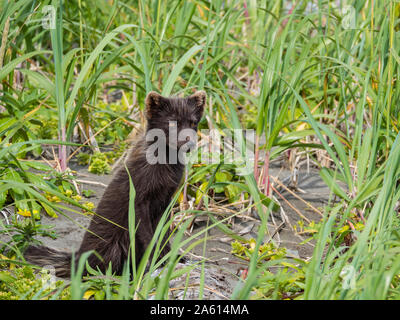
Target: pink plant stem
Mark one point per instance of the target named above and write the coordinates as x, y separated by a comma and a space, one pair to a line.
246, 12
351, 225
287, 19
266, 181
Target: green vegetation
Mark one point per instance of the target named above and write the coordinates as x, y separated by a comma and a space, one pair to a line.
313, 78
21, 283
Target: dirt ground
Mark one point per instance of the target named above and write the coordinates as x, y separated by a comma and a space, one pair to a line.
222, 269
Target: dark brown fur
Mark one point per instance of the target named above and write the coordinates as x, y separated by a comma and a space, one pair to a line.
154, 184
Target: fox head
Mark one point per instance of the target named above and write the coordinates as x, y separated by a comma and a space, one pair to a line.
176, 119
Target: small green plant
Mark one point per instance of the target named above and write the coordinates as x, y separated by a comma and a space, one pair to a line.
13, 175
266, 252
99, 164
23, 233
287, 279
88, 193
21, 282
83, 158
285, 284
221, 184
101, 287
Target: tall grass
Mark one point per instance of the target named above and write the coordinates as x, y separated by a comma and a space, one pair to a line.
317, 76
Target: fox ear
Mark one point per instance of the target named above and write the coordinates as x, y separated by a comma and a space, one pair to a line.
199, 98
153, 103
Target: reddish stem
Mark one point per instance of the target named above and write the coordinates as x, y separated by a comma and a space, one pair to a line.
266, 181
246, 12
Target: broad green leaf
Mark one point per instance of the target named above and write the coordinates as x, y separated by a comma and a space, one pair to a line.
40, 81
170, 81
14, 63
327, 176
